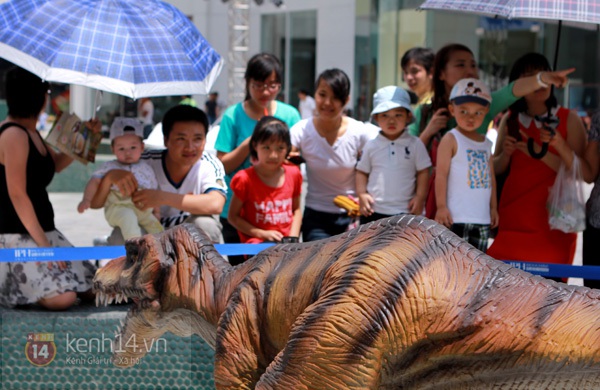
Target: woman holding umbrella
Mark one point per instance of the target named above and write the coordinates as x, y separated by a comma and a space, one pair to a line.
452, 63
27, 166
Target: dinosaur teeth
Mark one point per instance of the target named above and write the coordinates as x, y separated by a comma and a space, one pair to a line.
102, 299
108, 295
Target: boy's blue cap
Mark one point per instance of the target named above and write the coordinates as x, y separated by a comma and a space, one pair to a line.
471, 90
390, 97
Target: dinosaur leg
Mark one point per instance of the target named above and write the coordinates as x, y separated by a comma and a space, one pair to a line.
328, 348
237, 363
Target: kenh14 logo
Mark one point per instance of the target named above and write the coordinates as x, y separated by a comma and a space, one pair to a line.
40, 349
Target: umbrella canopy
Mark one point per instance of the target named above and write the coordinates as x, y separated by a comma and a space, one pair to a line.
581, 11
586, 11
135, 48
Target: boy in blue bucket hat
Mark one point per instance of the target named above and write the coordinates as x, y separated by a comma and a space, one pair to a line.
393, 172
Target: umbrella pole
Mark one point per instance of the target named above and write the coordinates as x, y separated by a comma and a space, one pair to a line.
97, 103
545, 144
557, 45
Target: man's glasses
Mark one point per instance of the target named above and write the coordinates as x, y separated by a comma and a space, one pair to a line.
263, 87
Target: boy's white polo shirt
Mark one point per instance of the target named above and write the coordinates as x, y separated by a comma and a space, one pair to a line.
392, 167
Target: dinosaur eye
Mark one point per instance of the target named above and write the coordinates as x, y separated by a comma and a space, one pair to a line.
132, 256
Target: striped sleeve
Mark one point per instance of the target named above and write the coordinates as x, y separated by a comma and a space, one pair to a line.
213, 175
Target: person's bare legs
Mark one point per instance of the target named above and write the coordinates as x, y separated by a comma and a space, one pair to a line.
59, 302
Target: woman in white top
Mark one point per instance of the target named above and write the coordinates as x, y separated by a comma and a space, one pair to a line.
330, 144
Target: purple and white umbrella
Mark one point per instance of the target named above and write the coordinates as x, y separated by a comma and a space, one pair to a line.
585, 11
135, 48
580, 11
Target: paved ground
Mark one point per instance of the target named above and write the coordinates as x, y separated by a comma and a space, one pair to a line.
80, 229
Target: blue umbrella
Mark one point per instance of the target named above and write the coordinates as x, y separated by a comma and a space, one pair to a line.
134, 48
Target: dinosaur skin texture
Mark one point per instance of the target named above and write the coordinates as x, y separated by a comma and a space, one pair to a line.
401, 303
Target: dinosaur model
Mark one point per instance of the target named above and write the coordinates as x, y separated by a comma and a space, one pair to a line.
401, 303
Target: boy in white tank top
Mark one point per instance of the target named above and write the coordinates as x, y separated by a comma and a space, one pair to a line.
465, 184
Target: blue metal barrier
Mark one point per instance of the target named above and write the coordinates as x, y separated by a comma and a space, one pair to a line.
557, 270
105, 252
110, 252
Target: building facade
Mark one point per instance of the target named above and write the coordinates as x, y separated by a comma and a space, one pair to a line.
366, 39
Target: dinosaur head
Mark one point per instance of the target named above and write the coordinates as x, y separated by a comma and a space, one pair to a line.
161, 274
138, 275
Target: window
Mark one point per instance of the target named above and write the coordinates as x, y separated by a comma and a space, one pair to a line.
292, 37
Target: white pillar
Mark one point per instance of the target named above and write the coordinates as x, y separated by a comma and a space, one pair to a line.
82, 101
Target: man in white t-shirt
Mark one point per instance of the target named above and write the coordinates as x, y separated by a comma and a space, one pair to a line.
191, 184
307, 105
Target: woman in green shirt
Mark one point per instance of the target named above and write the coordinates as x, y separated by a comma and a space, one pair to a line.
263, 83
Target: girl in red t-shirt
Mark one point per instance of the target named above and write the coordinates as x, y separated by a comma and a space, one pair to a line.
266, 197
